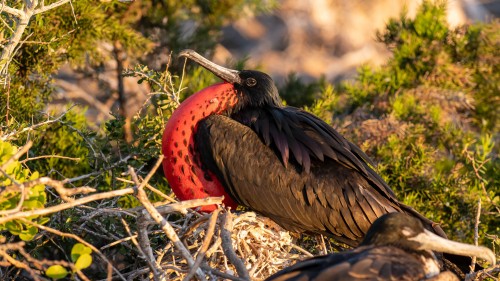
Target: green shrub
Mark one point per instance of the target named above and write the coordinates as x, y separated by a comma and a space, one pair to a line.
429, 118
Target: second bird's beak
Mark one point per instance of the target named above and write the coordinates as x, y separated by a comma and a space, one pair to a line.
430, 241
226, 74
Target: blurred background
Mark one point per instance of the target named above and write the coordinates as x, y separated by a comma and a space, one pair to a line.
293, 41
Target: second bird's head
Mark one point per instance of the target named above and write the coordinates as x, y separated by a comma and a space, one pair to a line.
255, 88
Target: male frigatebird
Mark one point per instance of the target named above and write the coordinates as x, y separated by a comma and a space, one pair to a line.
396, 247
237, 139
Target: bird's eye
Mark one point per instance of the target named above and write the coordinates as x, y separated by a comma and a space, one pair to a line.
251, 82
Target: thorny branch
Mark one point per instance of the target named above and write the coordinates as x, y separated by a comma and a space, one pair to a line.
33, 127
477, 168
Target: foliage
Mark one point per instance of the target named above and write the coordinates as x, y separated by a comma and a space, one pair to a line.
80, 256
429, 117
77, 29
71, 138
33, 197
298, 93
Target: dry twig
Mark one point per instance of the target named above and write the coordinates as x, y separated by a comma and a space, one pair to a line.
227, 245
166, 227
204, 247
476, 234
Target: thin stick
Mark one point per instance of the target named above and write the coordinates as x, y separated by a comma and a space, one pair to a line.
302, 250
31, 128
70, 180
227, 246
221, 274
204, 246
155, 190
50, 156
323, 245
67, 205
156, 216
476, 234
158, 275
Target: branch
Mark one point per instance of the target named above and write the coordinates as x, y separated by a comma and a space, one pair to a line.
10, 260
124, 160
15, 12
31, 128
180, 207
49, 7
155, 190
64, 206
204, 246
165, 226
476, 234
227, 246
222, 274
485, 273
50, 156
23, 19
57, 185
16, 156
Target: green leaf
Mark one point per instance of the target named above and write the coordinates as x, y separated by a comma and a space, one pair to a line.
28, 234
78, 250
84, 261
43, 220
56, 272
14, 227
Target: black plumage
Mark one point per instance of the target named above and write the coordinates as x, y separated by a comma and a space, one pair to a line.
396, 247
291, 166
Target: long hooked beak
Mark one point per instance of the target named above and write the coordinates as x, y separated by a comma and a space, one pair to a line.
226, 74
430, 241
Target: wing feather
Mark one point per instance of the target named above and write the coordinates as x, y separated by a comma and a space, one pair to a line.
325, 200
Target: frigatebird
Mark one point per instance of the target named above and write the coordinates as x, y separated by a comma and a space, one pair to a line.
236, 139
396, 247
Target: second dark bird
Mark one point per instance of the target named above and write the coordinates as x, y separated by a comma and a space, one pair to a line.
396, 247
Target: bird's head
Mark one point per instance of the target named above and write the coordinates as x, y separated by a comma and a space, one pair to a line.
254, 88
400, 230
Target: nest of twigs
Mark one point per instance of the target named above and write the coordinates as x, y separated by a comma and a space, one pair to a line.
262, 246
230, 245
